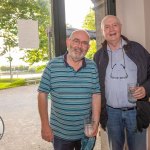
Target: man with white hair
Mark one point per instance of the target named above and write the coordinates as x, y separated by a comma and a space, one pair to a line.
121, 61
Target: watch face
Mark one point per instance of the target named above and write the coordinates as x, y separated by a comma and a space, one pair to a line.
1, 127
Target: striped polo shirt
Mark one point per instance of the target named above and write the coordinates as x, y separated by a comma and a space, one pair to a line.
71, 95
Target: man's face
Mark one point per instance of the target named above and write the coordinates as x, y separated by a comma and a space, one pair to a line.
111, 29
78, 45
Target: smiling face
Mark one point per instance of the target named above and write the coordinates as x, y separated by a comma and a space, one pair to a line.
111, 29
78, 45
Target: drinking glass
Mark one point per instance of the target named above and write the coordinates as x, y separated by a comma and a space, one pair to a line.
131, 89
88, 126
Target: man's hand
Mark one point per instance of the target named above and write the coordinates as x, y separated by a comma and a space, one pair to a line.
47, 134
139, 93
95, 129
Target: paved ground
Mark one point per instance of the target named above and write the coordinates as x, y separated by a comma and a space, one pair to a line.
18, 108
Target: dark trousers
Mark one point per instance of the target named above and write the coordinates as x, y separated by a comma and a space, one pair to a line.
62, 144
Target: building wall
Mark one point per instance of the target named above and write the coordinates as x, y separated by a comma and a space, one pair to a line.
100, 12
135, 20
147, 23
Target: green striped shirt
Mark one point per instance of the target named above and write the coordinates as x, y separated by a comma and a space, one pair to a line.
71, 95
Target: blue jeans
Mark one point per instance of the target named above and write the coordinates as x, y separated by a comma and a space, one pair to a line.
62, 144
120, 121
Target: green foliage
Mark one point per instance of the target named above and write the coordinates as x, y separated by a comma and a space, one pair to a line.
92, 50
18, 68
40, 68
89, 21
89, 24
10, 83
11, 11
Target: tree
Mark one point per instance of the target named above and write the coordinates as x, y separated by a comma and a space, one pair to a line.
89, 24
89, 21
92, 49
11, 11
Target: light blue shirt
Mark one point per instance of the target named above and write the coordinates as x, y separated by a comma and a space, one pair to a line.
116, 89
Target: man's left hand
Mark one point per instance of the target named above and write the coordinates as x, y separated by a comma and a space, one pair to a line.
139, 93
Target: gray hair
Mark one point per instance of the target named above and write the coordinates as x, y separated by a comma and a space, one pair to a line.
108, 16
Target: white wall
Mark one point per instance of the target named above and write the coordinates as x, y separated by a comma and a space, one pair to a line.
131, 14
147, 23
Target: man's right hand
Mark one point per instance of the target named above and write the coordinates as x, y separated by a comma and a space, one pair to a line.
47, 134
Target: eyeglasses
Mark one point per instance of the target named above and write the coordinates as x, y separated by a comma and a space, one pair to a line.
125, 75
77, 42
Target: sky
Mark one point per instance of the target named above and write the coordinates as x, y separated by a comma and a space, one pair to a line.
76, 10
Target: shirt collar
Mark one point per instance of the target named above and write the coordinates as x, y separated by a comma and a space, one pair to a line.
122, 43
66, 64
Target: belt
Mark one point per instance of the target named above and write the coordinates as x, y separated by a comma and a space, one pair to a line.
124, 108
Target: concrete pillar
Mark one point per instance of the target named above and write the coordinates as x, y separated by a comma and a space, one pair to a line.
100, 12
147, 28
134, 16
147, 45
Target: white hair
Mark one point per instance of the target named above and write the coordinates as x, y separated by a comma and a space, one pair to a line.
109, 16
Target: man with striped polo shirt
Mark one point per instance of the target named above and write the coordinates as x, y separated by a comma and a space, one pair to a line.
73, 83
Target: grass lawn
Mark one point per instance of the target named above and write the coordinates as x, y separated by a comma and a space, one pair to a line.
10, 83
